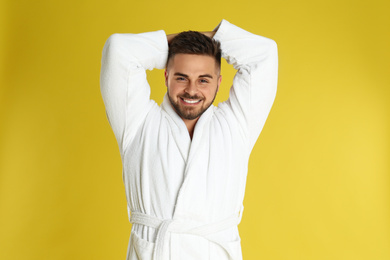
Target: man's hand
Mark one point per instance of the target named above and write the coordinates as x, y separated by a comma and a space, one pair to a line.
209, 34
171, 36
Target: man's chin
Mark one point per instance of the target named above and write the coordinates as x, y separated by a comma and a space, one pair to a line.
190, 115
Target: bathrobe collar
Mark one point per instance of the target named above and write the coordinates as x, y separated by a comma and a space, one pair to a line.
179, 128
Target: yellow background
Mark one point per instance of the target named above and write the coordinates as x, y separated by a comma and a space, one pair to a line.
318, 184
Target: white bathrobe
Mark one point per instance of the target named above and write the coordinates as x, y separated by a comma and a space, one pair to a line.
185, 196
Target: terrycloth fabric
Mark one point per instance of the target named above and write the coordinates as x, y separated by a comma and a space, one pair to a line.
186, 196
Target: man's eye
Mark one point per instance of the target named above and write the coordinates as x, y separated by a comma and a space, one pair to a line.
204, 81
180, 78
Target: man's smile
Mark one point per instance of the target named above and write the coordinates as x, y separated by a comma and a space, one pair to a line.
190, 101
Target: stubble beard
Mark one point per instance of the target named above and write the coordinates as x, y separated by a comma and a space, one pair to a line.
190, 113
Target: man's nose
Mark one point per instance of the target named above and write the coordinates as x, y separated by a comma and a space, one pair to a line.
191, 88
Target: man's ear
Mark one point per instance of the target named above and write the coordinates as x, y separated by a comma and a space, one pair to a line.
166, 77
219, 82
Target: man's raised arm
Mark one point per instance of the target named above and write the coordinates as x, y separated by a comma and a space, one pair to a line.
254, 86
123, 83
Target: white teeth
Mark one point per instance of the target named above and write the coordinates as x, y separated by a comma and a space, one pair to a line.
191, 101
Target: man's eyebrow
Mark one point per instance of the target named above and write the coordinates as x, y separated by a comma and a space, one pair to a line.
181, 74
206, 76
186, 76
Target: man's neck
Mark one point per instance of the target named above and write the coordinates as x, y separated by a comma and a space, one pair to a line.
190, 126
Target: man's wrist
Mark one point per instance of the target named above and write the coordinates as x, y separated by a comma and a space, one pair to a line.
209, 34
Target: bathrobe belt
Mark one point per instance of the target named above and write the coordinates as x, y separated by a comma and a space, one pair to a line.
180, 227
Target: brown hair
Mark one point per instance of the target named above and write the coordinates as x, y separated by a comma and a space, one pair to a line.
192, 42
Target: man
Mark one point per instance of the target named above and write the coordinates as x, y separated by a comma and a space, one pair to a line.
185, 163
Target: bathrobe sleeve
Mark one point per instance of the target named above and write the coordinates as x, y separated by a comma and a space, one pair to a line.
254, 86
123, 83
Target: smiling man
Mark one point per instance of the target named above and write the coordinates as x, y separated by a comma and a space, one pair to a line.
185, 162
192, 74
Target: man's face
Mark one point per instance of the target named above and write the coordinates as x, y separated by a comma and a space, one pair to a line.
193, 82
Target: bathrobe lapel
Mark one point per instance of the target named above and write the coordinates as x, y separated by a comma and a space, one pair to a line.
187, 147
178, 127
